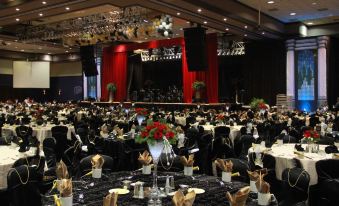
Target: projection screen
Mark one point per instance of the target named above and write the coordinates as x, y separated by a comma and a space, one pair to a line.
28, 74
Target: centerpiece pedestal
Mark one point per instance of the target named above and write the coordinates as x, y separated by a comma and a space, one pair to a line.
155, 149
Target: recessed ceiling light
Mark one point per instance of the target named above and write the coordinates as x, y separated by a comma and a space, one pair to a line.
67, 8
146, 38
41, 14
263, 33
199, 10
178, 13
270, 2
181, 29
205, 22
16, 47
40, 48
22, 50
188, 22
44, 2
314, 3
177, 34
17, 9
66, 51
293, 14
227, 29
49, 53
225, 19
310, 23
245, 34
16, 40
9, 43
245, 26
17, 19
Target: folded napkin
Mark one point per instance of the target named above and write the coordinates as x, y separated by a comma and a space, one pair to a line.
187, 162
224, 165
299, 148
111, 199
179, 199
254, 176
97, 161
179, 130
145, 158
331, 149
262, 186
61, 170
239, 198
66, 188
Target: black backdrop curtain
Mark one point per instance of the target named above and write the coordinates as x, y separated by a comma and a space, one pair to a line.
261, 72
333, 72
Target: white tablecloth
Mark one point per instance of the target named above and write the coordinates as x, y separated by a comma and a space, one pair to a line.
182, 120
41, 132
284, 155
9, 155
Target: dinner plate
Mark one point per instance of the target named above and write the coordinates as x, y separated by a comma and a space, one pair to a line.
120, 191
196, 190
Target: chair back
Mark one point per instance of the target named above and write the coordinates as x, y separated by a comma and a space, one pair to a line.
23, 186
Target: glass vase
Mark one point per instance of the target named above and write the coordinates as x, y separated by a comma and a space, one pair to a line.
140, 119
155, 149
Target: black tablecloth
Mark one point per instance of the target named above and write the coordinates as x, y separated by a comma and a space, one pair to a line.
89, 191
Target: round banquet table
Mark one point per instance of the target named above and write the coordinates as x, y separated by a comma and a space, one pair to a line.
41, 132
284, 155
9, 155
89, 191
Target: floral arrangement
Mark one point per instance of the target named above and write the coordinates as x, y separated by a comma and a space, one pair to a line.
220, 117
257, 103
155, 131
198, 85
311, 135
262, 106
141, 111
111, 87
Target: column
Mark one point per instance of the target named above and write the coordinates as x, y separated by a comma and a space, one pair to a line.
290, 82
322, 70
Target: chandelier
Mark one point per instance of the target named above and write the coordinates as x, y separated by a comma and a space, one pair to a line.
122, 24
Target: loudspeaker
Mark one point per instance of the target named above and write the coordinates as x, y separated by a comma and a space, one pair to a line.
89, 66
195, 46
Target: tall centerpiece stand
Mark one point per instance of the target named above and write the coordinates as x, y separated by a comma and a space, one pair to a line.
311, 137
156, 135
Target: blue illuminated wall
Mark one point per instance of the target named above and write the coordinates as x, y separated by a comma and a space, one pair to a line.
306, 81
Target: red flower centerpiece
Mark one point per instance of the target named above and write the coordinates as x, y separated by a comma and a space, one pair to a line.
141, 111
220, 118
157, 135
311, 136
262, 106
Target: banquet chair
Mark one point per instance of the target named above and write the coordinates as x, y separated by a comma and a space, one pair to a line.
204, 155
24, 132
23, 186
5, 140
86, 165
244, 145
221, 149
83, 134
25, 120
287, 139
60, 135
224, 132
37, 162
328, 182
48, 146
240, 166
72, 156
325, 140
295, 183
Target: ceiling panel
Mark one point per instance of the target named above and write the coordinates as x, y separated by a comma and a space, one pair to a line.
315, 11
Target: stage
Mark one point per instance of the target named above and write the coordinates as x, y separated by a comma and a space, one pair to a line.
169, 106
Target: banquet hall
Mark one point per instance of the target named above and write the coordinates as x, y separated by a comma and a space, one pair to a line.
169, 102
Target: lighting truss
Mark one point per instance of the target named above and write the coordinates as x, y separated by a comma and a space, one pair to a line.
236, 48
160, 54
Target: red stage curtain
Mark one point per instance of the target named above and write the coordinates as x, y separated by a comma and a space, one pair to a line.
106, 73
120, 75
187, 77
212, 75
115, 68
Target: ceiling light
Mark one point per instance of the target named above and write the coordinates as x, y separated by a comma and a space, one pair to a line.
188, 22
40, 48
225, 19
17, 9
49, 53
16, 40
245, 26
227, 29
245, 34
41, 14
263, 33
205, 22
314, 3
22, 50
66, 51
44, 2
177, 34
270, 2
310, 23
16, 47
178, 13
67, 8
199, 10
146, 38
17, 19
293, 14
180, 29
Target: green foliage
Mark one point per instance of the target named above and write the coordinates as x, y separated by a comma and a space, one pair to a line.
255, 102
111, 87
198, 85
